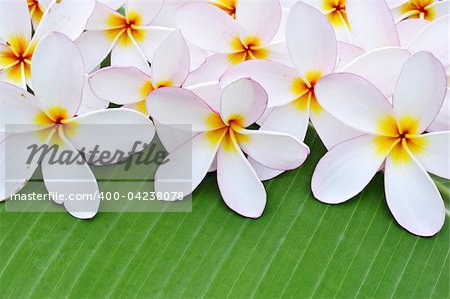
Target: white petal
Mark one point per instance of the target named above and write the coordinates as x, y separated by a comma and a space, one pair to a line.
274, 150
213, 68
101, 18
129, 55
372, 23
90, 102
207, 27
14, 20
95, 47
354, 101
121, 85
276, 78
264, 173
239, 186
434, 38
421, 89
311, 40
67, 17
245, 99
71, 179
278, 51
259, 18
442, 120
381, 67
413, 198
147, 10
170, 65
58, 73
114, 4
197, 56
439, 9
346, 169
409, 28
175, 106
434, 151
346, 53
152, 38
208, 92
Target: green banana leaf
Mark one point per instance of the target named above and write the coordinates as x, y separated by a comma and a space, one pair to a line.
298, 248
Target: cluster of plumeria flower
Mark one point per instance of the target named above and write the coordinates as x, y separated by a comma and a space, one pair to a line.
248, 77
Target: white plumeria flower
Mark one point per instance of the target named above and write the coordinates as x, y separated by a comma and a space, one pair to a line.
16, 52
130, 86
422, 9
130, 39
49, 118
249, 36
393, 137
224, 136
312, 44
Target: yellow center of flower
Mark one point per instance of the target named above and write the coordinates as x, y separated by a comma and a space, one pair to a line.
229, 6
335, 12
226, 132
124, 29
250, 49
418, 9
16, 59
56, 115
398, 137
303, 89
36, 10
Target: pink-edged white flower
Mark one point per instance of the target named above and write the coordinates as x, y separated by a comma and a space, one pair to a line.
130, 86
16, 41
394, 137
419, 9
48, 117
223, 136
249, 36
129, 38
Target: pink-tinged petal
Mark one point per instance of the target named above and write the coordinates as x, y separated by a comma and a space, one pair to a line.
58, 73
432, 39
432, 151
129, 54
277, 79
109, 130
274, 150
281, 33
197, 56
171, 62
420, 90
381, 67
153, 37
70, 179
346, 169
442, 120
259, 18
175, 106
239, 185
372, 23
278, 51
208, 92
14, 20
69, 18
354, 101
413, 198
244, 101
15, 169
208, 27
290, 119
311, 40
121, 85
263, 173
17, 107
145, 9
94, 46
172, 136
191, 160
90, 101
103, 18
346, 53
409, 28
114, 4
213, 68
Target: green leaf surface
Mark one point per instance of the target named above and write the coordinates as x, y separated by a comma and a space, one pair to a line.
298, 248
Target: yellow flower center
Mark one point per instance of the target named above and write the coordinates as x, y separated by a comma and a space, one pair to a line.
56, 115
226, 132
36, 10
303, 89
250, 49
335, 12
229, 6
16, 59
418, 9
124, 28
398, 137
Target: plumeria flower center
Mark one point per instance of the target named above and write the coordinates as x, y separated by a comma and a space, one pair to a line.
229, 6
418, 9
53, 116
125, 28
228, 131
304, 91
16, 59
36, 10
335, 10
249, 49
